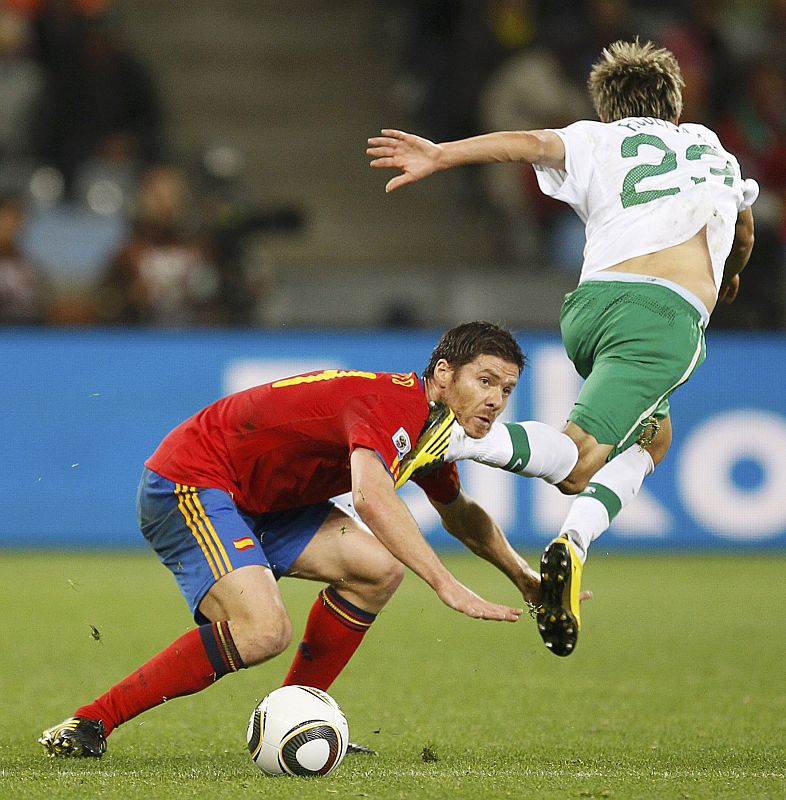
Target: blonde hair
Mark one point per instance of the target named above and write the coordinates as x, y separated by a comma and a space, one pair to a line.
636, 80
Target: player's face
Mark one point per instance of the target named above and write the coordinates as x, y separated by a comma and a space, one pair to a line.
479, 391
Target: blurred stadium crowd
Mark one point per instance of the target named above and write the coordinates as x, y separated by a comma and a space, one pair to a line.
87, 174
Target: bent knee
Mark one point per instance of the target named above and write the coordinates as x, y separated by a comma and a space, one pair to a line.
392, 576
263, 639
587, 465
573, 485
592, 456
381, 584
372, 587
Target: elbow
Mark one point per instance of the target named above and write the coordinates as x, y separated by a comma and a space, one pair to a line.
469, 539
743, 250
744, 243
373, 494
537, 147
740, 253
525, 147
369, 505
362, 504
744, 235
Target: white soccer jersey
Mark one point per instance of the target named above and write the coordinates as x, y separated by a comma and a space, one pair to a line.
641, 185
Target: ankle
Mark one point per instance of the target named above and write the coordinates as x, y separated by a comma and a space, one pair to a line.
577, 543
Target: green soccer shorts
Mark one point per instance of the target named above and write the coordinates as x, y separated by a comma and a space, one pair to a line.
634, 343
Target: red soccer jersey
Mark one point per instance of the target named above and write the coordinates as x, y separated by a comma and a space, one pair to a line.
287, 443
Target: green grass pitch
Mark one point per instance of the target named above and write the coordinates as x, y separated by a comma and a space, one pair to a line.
677, 688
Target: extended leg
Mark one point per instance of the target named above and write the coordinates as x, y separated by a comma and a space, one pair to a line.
610, 489
250, 626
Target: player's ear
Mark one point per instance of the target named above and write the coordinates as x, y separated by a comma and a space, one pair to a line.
443, 373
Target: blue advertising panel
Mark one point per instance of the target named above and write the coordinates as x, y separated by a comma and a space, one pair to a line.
82, 410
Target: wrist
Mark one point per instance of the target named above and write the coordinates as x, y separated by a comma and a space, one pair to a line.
442, 581
452, 154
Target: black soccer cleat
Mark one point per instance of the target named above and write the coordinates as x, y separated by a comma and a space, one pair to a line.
558, 616
432, 444
75, 737
355, 749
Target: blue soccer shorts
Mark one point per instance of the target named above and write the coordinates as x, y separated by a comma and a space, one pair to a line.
200, 534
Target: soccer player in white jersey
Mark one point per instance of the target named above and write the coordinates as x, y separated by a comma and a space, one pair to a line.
669, 228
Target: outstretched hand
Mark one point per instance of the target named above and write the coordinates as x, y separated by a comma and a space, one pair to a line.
414, 156
458, 597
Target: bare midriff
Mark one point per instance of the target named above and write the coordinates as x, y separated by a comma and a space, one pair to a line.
687, 264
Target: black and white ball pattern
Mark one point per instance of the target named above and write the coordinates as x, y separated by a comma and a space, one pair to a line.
297, 730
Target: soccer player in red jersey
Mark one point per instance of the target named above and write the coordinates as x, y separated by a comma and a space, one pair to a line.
239, 495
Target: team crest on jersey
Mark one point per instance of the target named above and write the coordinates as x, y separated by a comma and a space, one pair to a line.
401, 442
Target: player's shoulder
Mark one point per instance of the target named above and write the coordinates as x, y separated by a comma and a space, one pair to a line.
399, 383
402, 391
397, 388
701, 131
585, 125
697, 128
583, 128
595, 137
580, 139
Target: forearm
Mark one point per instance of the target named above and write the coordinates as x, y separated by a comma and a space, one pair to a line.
492, 546
741, 248
736, 261
490, 148
478, 532
417, 158
389, 519
397, 530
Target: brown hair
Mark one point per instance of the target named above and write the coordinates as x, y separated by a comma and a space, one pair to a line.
466, 342
636, 80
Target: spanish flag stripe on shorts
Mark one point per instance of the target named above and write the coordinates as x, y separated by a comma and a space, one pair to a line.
199, 522
179, 491
212, 531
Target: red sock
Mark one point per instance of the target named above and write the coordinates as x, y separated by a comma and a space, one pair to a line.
190, 664
334, 630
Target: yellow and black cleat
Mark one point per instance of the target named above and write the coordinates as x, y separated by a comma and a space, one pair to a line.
559, 616
75, 737
432, 444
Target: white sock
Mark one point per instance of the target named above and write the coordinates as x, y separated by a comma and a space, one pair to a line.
494, 449
612, 487
529, 448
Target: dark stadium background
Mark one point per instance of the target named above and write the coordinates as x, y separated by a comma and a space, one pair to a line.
182, 193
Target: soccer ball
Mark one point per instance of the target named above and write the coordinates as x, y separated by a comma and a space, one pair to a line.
297, 730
